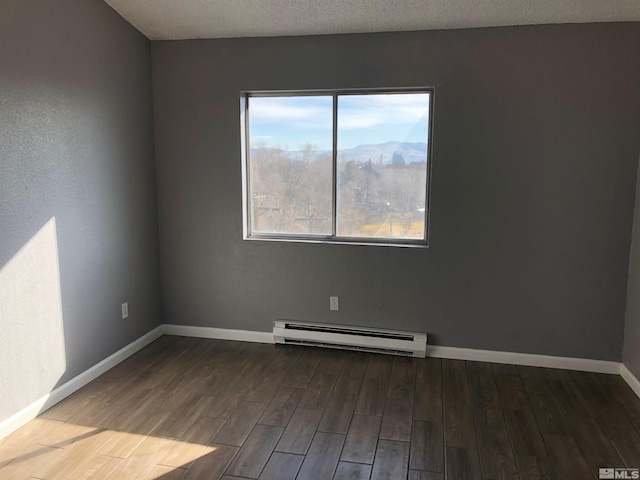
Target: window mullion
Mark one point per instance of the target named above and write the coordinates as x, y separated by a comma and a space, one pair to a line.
334, 226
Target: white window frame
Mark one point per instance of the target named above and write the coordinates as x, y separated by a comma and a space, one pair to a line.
333, 238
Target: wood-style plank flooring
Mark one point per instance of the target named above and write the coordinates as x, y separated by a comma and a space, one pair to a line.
187, 408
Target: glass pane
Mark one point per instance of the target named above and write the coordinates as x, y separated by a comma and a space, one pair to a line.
290, 164
382, 165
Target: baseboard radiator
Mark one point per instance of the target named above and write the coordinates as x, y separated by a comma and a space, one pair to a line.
350, 338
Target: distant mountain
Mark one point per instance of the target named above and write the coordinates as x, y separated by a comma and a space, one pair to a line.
381, 154
384, 153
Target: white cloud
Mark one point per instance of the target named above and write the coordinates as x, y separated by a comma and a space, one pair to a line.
301, 112
268, 109
354, 111
356, 119
366, 111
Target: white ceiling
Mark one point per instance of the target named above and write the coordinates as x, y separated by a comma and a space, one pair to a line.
180, 19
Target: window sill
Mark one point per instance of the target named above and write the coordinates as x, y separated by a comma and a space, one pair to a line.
362, 243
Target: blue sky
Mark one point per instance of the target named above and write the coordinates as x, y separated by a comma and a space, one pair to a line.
289, 122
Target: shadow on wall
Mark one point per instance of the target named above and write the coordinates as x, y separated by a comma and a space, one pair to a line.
31, 321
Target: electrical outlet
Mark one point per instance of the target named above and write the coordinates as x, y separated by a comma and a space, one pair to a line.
333, 303
125, 310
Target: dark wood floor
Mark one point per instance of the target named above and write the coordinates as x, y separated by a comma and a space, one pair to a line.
186, 408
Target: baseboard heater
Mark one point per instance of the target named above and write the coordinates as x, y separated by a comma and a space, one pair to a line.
350, 338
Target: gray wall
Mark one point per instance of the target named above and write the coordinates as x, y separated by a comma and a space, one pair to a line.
535, 155
78, 219
631, 352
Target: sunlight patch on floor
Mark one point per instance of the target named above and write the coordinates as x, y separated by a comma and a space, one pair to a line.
53, 450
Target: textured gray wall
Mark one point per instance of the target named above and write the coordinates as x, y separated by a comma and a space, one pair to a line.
535, 151
78, 219
631, 352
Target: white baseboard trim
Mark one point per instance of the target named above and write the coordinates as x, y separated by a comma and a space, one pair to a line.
218, 333
568, 363
27, 414
529, 359
630, 378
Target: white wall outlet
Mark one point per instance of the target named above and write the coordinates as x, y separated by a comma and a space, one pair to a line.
333, 303
125, 310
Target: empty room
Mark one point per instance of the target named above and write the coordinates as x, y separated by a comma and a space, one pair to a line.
311, 240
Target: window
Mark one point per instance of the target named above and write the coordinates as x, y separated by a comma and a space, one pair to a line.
345, 167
